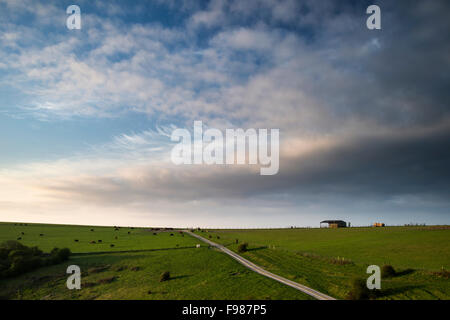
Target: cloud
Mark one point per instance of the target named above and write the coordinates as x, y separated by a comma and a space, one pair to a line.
384, 168
363, 115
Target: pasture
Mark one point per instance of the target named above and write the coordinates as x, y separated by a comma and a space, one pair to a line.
127, 262
65, 236
132, 269
327, 259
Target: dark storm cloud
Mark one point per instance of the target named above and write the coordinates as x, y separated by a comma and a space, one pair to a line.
375, 168
399, 85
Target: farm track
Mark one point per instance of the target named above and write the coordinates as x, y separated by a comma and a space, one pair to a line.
250, 265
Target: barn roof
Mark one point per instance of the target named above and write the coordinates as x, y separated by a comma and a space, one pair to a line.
332, 221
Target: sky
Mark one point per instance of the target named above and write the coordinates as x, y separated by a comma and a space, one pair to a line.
86, 115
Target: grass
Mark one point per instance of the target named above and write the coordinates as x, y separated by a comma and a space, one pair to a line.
65, 236
123, 272
195, 274
328, 259
324, 259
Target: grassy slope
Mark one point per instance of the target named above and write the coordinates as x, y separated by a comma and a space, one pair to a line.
305, 255
197, 273
64, 237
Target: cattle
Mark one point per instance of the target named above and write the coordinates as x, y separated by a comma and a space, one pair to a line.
92, 242
41, 235
76, 240
171, 234
19, 238
22, 233
92, 229
154, 233
116, 237
99, 241
129, 232
111, 245
197, 246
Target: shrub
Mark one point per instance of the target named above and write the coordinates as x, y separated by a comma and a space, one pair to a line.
165, 276
12, 245
64, 254
16, 258
59, 255
359, 290
22, 264
387, 271
243, 247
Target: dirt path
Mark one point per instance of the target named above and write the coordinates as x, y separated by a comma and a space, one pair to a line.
311, 292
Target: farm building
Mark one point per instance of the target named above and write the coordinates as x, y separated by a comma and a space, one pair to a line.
378, 224
334, 223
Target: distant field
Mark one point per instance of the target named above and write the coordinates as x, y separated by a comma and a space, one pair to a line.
309, 256
197, 273
64, 236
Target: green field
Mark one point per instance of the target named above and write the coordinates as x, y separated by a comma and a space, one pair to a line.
312, 257
133, 267
64, 236
324, 259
